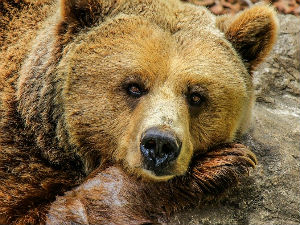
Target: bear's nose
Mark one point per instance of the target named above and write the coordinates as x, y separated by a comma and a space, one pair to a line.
159, 148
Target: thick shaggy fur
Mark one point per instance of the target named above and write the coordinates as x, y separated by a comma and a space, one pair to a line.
67, 121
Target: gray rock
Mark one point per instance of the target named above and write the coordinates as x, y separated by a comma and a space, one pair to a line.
271, 194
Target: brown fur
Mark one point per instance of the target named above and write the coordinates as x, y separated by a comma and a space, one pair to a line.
64, 112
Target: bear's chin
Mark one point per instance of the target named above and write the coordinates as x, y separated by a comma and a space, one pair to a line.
151, 175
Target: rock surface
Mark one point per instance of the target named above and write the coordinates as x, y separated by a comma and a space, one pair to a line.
271, 194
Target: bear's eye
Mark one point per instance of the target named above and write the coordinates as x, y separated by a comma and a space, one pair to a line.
195, 99
135, 90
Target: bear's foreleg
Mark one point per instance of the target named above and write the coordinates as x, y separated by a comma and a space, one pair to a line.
111, 197
114, 197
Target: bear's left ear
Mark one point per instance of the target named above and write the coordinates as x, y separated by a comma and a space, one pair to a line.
252, 33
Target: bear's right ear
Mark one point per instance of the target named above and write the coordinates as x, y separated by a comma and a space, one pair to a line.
85, 13
252, 32
78, 14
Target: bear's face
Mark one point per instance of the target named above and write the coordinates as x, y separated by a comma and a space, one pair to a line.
148, 98
131, 87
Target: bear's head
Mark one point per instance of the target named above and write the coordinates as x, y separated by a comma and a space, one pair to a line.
149, 84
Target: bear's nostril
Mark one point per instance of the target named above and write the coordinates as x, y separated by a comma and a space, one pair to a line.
167, 149
159, 148
150, 144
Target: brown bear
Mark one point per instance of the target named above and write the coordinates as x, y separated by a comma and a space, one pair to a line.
122, 111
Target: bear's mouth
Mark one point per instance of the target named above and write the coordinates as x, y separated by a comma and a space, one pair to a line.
160, 169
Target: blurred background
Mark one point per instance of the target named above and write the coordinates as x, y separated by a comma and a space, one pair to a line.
220, 7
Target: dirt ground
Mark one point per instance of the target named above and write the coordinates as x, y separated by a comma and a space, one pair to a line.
220, 7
